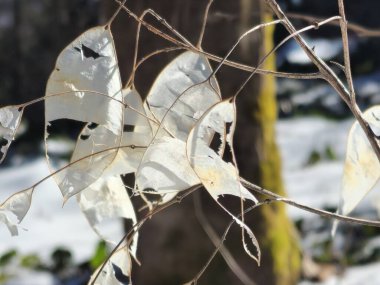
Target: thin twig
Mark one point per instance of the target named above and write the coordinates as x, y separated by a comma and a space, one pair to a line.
37, 100
110, 21
346, 51
129, 235
148, 56
358, 29
219, 246
250, 31
315, 75
326, 71
248, 68
204, 23
309, 209
329, 75
163, 22
274, 49
347, 71
218, 243
157, 52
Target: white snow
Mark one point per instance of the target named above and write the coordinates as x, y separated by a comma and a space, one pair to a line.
23, 277
366, 275
48, 224
298, 137
61, 146
316, 185
325, 49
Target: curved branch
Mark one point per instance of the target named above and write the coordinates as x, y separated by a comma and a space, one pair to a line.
361, 31
328, 75
322, 213
218, 243
237, 65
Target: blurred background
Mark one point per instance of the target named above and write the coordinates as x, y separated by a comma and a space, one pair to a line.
291, 139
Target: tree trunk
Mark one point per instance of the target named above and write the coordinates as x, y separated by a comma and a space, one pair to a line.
258, 114
173, 247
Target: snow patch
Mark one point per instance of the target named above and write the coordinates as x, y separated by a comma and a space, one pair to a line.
48, 225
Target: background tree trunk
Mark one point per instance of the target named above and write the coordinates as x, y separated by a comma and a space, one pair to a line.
173, 247
279, 244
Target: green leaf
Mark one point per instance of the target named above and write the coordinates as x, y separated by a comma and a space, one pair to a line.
100, 255
30, 261
7, 257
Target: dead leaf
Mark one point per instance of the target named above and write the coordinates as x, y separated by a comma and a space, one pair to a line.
85, 86
10, 118
361, 167
218, 176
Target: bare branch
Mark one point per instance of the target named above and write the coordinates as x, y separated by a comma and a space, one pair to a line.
218, 243
135, 228
110, 21
358, 29
306, 208
204, 23
295, 34
329, 75
213, 57
346, 51
140, 22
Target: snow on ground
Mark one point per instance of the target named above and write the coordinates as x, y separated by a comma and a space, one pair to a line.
48, 225
366, 275
24, 277
316, 185
298, 137
325, 49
